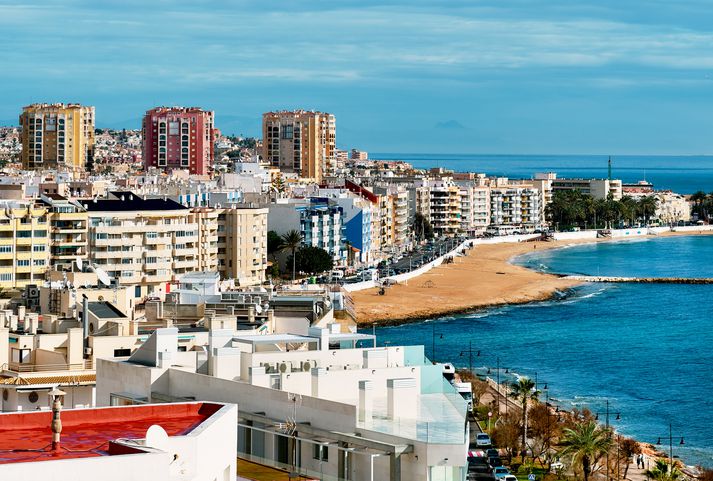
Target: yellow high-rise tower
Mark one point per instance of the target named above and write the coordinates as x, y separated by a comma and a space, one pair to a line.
57, 136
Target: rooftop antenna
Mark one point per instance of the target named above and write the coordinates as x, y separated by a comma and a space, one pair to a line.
609, 168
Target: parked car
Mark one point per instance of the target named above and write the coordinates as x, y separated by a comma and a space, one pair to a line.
495, 462
480, 477
492, 453
509, 477
483, 440
500, 472
479, 465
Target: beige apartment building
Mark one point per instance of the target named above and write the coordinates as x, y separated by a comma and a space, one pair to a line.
300, 142
57, 136
68, 226
24, 243
145, 243
242, 244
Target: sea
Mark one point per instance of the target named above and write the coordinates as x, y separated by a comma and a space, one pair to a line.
682, 174
647, 349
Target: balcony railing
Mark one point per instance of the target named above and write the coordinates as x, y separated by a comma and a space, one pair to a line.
27, 367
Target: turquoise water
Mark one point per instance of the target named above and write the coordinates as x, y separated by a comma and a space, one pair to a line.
684, 173
645, 348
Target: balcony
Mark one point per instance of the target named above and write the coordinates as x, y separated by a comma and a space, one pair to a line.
27, 367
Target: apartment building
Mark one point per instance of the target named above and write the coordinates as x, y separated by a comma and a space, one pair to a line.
206, 219
444, 208
57, 136
69, 235
142, 242
300, 142
319, 221
242, 243
357, 212
516, 206
597, 188
24, 243
179, 138
394, 216
359, 411
475, 208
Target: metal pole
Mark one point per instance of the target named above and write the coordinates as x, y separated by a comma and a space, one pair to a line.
670, 448
470, 356
433, 343
608, 435
498, 375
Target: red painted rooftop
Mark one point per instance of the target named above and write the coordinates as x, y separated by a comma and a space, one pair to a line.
27, 437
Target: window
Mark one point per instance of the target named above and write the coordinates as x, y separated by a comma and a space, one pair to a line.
5, 248
122, 352
38, 262
287, 132
6, 277
38, 248
40, 233
316, 452
23, 262
151, 235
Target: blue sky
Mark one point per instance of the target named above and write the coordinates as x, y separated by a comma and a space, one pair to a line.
488, 76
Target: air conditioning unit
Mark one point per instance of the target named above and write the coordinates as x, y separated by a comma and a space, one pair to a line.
88, 351
33, 292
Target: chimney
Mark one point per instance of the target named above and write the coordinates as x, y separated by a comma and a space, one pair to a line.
366, 400
56, 397
401, 396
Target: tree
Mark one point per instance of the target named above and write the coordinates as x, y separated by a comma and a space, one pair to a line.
506, 433
274, 242
524, 391
422, 227
312, 260
629, 448
706, 474
544, 430
647, 207
584, 444
661, 472
291, 241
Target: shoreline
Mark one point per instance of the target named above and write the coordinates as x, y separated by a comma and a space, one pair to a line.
450, 289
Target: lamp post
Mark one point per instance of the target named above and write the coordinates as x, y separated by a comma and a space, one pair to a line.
596, 418
433, 342
670, 446
470, 352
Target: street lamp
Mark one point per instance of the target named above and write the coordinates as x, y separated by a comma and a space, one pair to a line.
470, 352
670, 446
433, 342
596, 418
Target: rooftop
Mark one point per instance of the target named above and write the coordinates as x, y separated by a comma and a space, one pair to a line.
128, 201
26, 437
105, 310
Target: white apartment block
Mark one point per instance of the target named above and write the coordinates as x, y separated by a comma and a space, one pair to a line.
327, 405
516, 206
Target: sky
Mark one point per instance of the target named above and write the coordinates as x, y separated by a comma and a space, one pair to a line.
412, 76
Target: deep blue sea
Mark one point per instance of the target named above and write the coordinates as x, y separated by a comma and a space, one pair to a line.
648, 349
683, 174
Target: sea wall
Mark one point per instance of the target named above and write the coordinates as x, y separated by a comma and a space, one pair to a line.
693, 228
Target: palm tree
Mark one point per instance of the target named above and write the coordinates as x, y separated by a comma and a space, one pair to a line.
585, 443
524, 390
291, 241
661, 472
647, 207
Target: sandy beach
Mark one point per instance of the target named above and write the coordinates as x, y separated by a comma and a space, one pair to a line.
483, 278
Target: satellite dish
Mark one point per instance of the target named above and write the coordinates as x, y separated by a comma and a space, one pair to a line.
80, 264
102, 276
157, 438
